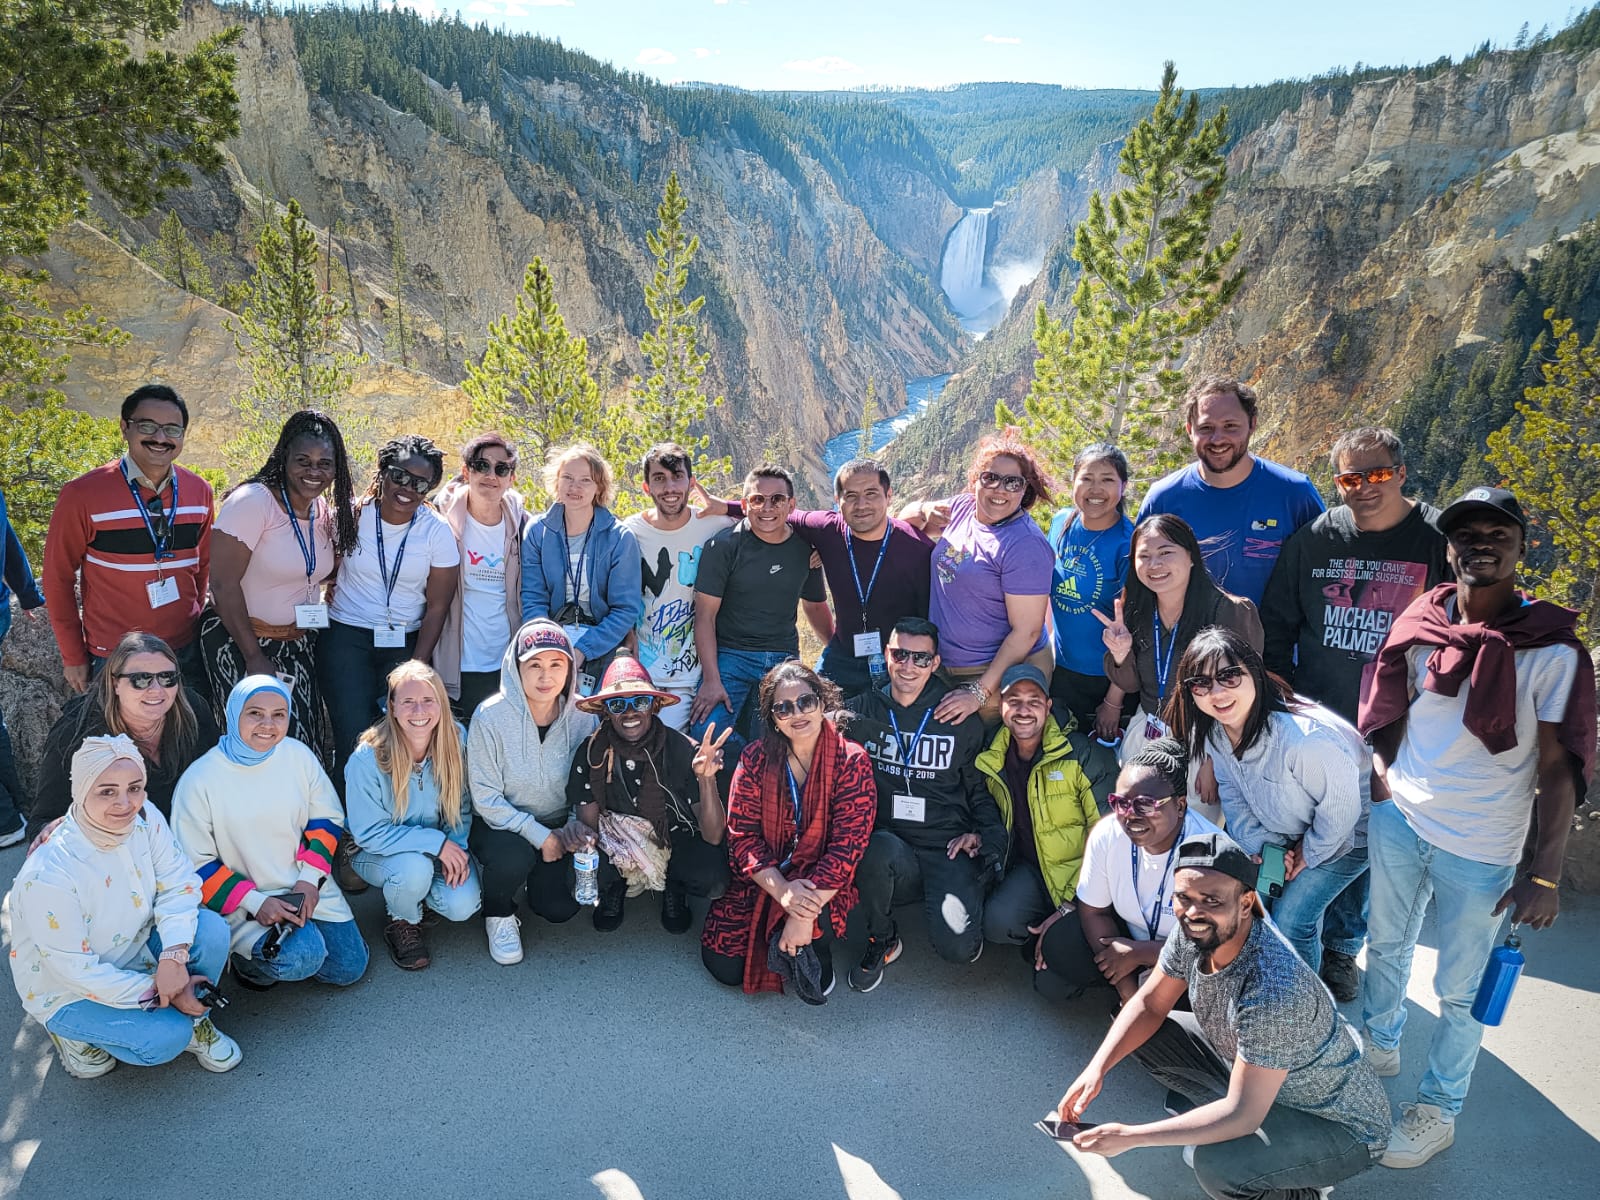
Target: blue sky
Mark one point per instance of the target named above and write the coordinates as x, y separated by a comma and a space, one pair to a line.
851, 43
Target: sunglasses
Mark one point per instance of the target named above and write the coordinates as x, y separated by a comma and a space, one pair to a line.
919, 658
766, 501
482, 466
1137, 806
1352, 479
142, 680
151, 428
1228, 677
1006, 483
617, 705
809, 703
401, 477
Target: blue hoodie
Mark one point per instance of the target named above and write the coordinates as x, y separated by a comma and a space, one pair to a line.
611, 563
16, 575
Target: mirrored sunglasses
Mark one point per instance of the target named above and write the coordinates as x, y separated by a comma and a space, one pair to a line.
784, 709
143, 680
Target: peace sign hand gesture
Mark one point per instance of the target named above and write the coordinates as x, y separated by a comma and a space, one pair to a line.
1116, 636
708, 755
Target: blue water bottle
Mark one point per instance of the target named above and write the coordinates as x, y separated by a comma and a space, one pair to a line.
1499, 981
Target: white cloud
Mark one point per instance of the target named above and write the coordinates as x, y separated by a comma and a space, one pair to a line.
702, 52
995, 39
657, 57
827, 64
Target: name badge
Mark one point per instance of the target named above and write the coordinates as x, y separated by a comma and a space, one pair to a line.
910, 808
1155, 727
387, 637
162, 591
868, 644
311, 616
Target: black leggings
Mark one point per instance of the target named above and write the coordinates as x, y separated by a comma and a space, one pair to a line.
729, 968
509, 860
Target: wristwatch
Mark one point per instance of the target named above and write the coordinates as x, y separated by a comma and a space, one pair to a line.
178, 954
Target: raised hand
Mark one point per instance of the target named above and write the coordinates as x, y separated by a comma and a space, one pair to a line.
708, 755
1116, 636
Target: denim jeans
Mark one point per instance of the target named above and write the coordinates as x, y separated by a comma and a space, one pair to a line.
1406, 871
132, 1035
10, 788
410, 879
1344, 924
1018, 901
852, 674
951, 890
741, 672
1306, 897
327, 951
351, 675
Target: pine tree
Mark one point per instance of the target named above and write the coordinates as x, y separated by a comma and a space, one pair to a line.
400, 272
289, 334
869, 418
1148, 283
671, 402
177, 259
41, 449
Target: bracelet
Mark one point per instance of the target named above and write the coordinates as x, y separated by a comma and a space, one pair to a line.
978, 690
1544, 882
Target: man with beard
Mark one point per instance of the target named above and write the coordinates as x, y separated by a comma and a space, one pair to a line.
671, 536
1481, 715
1268, 1091
1242, 508
135, 537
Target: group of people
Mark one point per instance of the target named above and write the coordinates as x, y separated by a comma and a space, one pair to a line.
1302, 724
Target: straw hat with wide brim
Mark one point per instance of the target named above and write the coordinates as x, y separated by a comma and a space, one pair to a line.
625, 676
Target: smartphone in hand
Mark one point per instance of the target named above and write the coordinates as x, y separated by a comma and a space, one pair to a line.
1062, 1131
1269, 880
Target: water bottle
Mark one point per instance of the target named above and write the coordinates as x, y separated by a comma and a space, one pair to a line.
878, 668
1499, 981
586, 873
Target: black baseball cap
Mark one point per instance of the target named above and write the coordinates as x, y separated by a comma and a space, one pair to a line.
1218, 852
1491, 501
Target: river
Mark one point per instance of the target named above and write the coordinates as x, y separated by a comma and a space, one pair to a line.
920, 393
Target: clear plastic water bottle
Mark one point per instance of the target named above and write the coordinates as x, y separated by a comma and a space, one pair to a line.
586, 873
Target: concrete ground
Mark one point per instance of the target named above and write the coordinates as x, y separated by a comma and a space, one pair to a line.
613, 1066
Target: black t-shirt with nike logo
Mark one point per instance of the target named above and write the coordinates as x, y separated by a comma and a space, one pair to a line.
761, 585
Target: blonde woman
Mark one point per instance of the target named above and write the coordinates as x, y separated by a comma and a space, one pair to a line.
406, 792
580, 568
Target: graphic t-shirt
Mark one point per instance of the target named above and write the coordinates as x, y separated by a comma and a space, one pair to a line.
671, 561
1336, 591
761, 585
975, 567
1090, 568
485, 625
1242, 528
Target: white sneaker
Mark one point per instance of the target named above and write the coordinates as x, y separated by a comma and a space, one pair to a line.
505, 939
213, 1049
1385, 1063
1423, 1131
80, 1059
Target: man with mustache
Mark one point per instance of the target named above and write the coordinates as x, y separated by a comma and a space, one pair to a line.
1481, 716
1268, 1092
1241, 507
134, 536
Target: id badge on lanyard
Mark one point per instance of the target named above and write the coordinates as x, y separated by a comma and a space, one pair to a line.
313, 614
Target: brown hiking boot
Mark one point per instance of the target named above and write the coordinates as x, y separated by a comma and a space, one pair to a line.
406, 947
344, 873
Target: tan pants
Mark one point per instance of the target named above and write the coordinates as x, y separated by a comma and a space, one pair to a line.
1044, 658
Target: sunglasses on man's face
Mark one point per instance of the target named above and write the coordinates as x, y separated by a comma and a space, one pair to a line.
141, 681
1006, 483
1228, 677
482, 466
1352, 479
403, 478
617, 705
1136, 806
919, 658
784, 709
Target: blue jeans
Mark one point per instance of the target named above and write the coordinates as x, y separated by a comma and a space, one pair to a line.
1306, 897
1406, 871
10, 788
132, 1035
852, 674
1344, 924
410, 878
741, 672
327, 951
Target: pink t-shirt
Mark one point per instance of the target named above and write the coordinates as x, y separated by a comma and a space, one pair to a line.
275, 580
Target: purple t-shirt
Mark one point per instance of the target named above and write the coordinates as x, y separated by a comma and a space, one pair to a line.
975, 567
901, 587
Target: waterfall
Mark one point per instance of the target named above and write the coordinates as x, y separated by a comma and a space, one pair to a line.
961, 271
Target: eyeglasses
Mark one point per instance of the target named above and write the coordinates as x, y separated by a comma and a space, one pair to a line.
1228, 677
401, 477
809, 703
919, 658
1008, 483
142, 680
1137, 806
482, 466
617, 705
766, 501
1352, 479
151, 428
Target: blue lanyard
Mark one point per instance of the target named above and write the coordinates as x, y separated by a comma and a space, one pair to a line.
1152, 920
1163, 665
171, 519
390, 579
908, 754
308, 551
794, 798
574, 579
850, 553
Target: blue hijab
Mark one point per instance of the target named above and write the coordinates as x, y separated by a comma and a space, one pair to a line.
233, 747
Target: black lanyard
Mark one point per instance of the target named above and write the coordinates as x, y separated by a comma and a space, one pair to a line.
574, 578
390, 579
850, 553
908, 753
168, 520
308, 551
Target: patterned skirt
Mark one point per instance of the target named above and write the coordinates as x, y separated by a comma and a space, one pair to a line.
295, 662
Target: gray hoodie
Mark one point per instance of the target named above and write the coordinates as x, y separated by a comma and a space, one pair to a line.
518, 782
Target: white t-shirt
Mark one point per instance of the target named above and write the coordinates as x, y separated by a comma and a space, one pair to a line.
671, 561
358, 598
485, 627
1106, 879
1453, 792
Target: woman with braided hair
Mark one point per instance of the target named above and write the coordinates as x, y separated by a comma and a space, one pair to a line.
280, 541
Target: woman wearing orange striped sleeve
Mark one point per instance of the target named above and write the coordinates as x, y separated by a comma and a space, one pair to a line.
262, 823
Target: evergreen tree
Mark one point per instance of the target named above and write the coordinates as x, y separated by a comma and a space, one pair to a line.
1148, 283
869, 418
41, 449
177, 259
399, 335
289, 334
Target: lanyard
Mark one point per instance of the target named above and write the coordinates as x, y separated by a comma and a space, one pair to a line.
574, 578
794, 799
390, 579
1163, 664
850, 553
908, 753
308, 545
1152, 920
168, 520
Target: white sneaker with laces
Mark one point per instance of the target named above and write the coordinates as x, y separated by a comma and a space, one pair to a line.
1422, 1131
505, 939
213, 1049
80, 1059
1385, 1063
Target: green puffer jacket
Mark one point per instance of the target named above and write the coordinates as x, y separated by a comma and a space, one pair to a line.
1060, 801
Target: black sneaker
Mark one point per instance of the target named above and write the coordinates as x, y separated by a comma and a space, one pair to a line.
675, 916
608, 913
868, 973
1340, 974
14, 835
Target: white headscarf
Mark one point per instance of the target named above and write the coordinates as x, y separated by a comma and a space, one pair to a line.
90, 761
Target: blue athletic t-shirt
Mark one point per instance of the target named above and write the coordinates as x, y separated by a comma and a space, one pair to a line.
1242, 528
1089, 571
